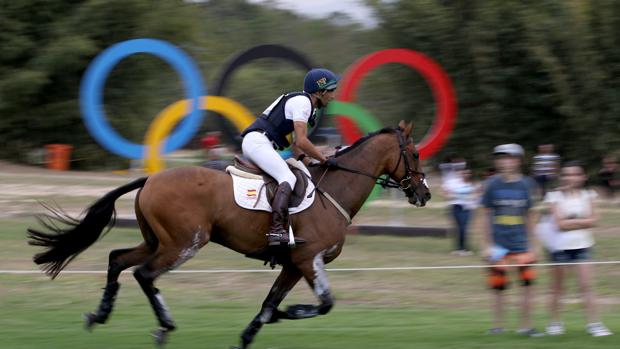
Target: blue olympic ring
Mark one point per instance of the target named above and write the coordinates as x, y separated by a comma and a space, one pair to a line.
91, 99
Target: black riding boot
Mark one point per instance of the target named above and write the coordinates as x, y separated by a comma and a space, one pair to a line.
278, 235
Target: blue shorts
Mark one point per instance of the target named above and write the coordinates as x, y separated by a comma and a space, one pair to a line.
570, 256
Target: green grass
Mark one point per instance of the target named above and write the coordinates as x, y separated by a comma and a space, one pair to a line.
56, 323
400, 309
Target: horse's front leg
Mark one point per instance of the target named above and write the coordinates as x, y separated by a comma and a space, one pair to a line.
316, 276
269, 313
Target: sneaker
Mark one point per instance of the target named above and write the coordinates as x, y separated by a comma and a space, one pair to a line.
597, 329
461, 253
555, 329
530, 332
496, 330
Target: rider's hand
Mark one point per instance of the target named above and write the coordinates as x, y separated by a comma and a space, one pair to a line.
331, 162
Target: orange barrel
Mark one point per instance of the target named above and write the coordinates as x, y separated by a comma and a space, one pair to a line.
58, 156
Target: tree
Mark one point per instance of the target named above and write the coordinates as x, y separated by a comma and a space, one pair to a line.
46, 48
525, 72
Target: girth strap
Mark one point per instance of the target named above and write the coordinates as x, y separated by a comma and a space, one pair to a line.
337, 205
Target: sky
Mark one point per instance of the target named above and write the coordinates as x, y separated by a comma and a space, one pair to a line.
322, 8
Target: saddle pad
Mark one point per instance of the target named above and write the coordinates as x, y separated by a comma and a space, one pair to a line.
250, 192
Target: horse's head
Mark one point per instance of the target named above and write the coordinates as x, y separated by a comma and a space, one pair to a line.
405, 168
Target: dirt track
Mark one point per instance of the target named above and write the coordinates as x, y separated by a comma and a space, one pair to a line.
22, 187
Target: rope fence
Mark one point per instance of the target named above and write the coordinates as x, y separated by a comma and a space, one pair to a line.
373, 269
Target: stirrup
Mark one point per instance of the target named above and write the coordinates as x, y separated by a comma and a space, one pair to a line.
277, 239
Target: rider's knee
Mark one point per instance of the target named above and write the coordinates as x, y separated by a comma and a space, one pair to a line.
291, 179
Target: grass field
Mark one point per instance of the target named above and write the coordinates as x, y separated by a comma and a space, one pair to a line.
393, 309
374, 309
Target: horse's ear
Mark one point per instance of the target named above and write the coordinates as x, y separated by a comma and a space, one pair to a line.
408, 128
402, 124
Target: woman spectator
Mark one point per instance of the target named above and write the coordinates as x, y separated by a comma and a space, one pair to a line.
463, 195
574, 213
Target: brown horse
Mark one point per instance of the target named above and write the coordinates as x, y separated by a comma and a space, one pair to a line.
181, 209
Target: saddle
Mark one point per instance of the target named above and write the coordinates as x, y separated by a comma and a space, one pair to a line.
271, 185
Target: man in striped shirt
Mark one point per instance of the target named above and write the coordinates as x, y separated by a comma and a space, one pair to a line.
545, 167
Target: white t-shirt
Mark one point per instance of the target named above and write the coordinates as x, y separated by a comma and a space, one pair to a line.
296, 108
461, 192
573, 205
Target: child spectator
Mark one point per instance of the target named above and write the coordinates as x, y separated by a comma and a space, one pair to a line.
574, 213
507, 200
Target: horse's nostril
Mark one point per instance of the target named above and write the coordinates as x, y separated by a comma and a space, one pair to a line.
427, 196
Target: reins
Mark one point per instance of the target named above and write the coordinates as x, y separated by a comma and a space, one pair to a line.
404, 184
384, 181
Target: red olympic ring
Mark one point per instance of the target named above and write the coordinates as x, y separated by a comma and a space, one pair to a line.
440, 84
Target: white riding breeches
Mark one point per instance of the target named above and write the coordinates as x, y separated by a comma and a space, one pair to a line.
258, 148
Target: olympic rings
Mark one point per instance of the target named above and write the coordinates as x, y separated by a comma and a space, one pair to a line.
172, 114
91, 90
363, 118
94, 117
439, 82
247, 56
356, 112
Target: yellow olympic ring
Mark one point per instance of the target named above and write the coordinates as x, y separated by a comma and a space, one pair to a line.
165, 121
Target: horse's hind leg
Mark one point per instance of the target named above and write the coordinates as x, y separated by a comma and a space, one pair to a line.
269, 313
119, 260
165, 259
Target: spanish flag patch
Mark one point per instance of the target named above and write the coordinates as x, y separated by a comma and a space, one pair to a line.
251, 193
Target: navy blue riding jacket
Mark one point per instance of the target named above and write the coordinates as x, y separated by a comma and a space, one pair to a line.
276, 125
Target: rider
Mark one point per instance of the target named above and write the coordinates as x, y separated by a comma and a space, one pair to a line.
290, 112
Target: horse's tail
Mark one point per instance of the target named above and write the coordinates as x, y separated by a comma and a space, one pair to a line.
64, 244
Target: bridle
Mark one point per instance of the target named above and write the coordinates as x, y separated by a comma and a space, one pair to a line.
405, 184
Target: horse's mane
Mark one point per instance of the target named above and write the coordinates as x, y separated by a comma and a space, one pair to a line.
364, 139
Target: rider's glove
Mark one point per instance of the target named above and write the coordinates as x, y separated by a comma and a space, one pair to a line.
331, 162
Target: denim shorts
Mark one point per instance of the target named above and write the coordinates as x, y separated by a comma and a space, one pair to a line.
570, 256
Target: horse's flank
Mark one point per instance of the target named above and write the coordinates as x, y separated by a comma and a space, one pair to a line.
203, 197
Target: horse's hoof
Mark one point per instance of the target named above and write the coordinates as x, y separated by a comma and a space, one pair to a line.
301, 311
161, 336
89, 321
241, 347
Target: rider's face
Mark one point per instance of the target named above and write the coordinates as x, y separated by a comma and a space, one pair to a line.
327, 96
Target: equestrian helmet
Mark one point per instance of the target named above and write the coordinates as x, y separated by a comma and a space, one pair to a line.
319, 79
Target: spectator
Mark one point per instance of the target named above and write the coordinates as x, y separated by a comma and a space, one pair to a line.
463, 194
609, 176
573, 210
545, 167
508, 239
210, 142
215, 149
488, 173
450, 167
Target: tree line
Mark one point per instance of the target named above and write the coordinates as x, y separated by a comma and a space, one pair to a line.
529, 72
